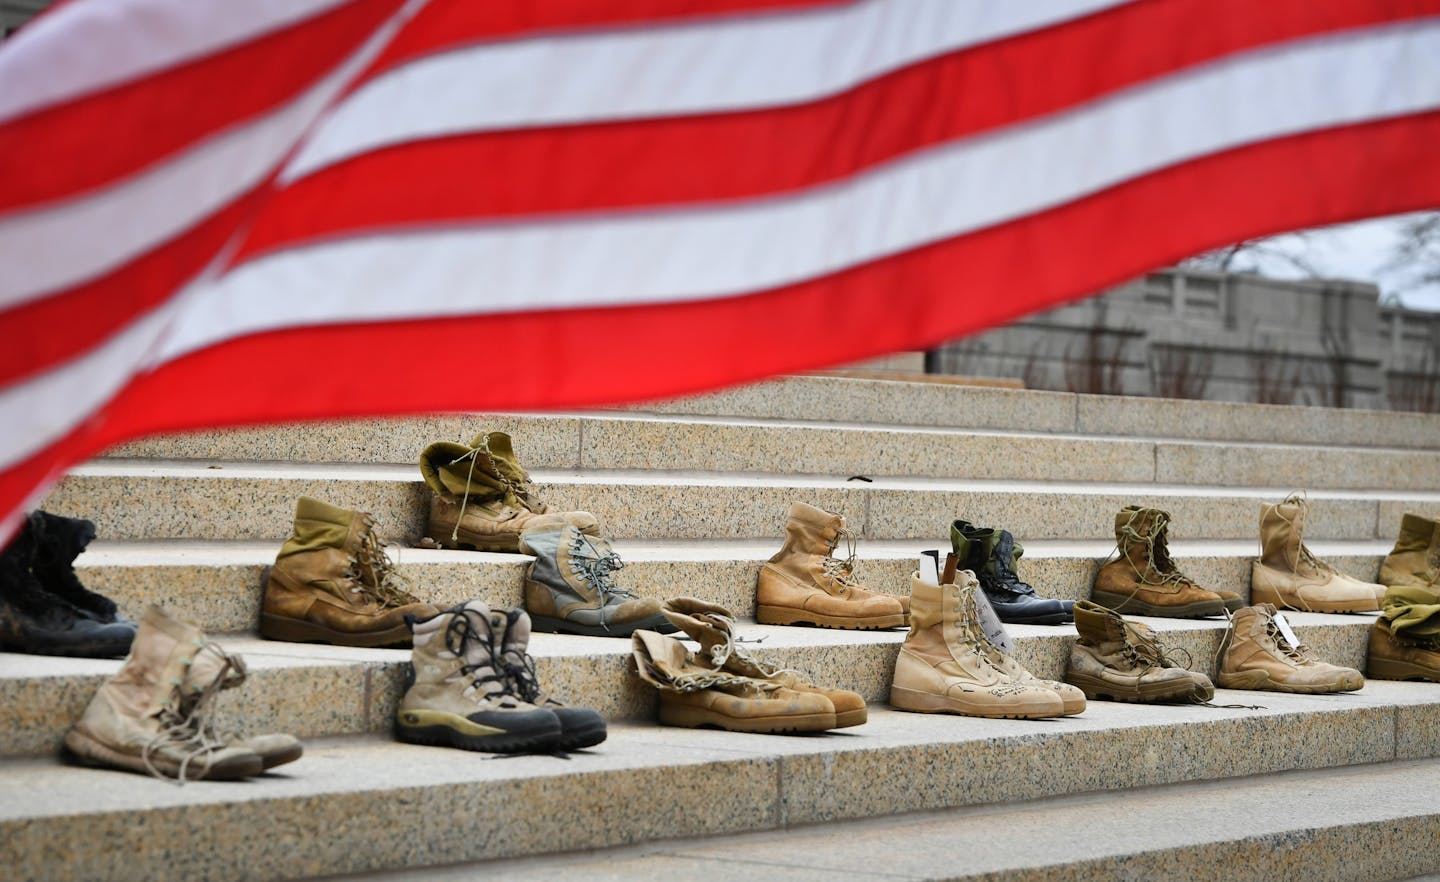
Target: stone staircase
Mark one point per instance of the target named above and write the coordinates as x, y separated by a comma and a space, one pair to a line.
695, 492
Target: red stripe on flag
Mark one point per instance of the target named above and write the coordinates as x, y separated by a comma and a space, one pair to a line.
96, 139
447, 24
748, 154
586, 357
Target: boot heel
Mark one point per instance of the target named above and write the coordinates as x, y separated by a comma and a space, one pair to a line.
915, 700
1392, 669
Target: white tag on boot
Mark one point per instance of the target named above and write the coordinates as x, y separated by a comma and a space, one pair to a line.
990, 623
929, 567
1285, 631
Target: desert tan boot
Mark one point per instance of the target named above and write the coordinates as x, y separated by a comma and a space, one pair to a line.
694, 693
1144, 580
1122, 661
1288, 575
714, 629
1415, 559
1405, 641
805, 584
332, 582
947, 666
155, 714
1254, 654
484, 498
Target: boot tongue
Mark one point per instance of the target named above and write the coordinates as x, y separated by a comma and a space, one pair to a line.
1001, 566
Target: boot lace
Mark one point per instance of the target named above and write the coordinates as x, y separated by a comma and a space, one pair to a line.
460, 634
841, 570
1299, 655
374, 573
1005, 578
729, 648
521, 493
597, 567
1159, 568
1306, 555
187, 720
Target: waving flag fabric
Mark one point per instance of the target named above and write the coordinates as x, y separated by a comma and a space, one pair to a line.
217, 213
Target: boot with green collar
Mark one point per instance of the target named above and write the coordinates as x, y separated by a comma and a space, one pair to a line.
483, 496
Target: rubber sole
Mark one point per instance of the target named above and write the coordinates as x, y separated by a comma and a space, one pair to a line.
503, 742
280, 759
552, 625
581, 738
784, 615
930, 703
846, 719
472, 542
1051, 619
1097, 689
698, 717
94, 753
1269, 595
1260, 681
274, 627
1394, 669
1122, 603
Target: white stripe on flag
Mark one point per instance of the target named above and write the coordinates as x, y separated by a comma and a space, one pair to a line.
708, 67
717, 251
59, 245
85, 47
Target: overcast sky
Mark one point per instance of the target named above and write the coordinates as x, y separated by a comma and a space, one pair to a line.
1351, 251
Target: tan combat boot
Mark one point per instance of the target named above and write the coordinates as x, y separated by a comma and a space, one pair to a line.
333, 583
580, 727
693, 693
570, 588
1405, 641
1144, 581
1287, 575
1255, 655
805, 584
483, 497
1415, 559
457, 694
1123, 661
947, 666
714, 629
156, 714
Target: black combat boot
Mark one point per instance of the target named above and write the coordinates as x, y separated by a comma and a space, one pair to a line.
44, 609
991, 555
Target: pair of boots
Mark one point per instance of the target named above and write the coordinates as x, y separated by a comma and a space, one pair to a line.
484, 501
1144, 580
947, 665
472, 684
1288, 575
992, 555
723, 687
156, 714
44, 608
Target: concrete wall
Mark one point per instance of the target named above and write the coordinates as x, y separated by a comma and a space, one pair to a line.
1197, 334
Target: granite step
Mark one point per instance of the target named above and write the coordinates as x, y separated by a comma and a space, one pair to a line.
1370, 822
217, 585
358, 805
316, 690
137, 499
620, 442
926, 404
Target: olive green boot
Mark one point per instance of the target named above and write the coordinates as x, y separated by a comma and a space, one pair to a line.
571, 589
1415, 559
714, 629
332, 582
483, 497
1123, 661
1405, 641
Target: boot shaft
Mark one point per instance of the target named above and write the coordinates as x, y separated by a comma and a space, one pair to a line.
485, 469
973, 546
1282, 536
1137, 533
809, 532
945, 626
1415, 559
569, 562
454, 652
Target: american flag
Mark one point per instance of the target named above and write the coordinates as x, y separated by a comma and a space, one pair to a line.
218, 213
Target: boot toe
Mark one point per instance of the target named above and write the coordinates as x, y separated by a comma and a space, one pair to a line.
580, 727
